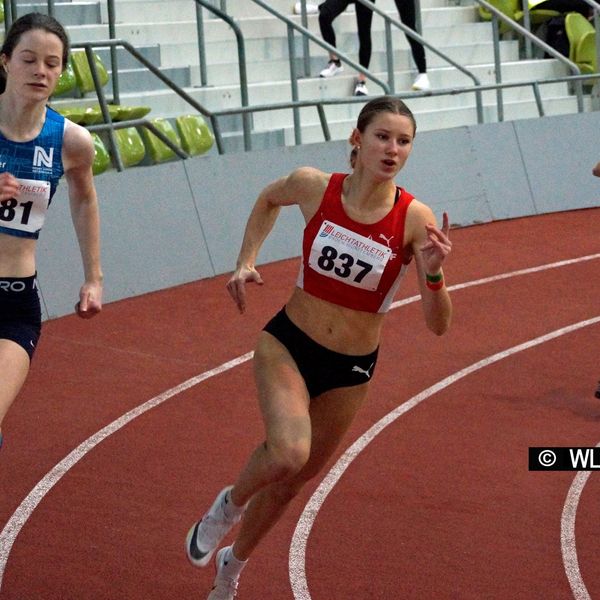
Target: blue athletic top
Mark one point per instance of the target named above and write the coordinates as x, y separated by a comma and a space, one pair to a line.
37, 165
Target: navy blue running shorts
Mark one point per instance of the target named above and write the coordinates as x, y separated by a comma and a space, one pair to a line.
20, 312
321, 368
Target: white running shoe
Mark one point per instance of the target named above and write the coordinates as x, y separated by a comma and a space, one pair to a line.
421, 83
205, 535
360, 89
224, 586
311, 9
331, 69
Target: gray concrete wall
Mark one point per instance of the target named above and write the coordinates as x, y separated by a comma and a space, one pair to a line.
179, 222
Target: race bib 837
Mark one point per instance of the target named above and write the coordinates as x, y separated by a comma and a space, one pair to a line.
347, 256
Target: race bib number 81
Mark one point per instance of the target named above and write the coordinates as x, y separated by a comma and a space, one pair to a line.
348, 256
28, 211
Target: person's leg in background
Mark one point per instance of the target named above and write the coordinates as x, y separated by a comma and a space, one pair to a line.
328, 12
408, 16
364, 18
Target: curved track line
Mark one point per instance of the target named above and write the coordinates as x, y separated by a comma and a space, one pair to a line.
297, 558
28, 505
567, 536
26, 508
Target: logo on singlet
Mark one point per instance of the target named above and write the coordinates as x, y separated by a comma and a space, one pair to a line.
326, 231
41, 158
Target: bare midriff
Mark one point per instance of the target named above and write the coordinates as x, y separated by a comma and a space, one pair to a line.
17, 256
335, 327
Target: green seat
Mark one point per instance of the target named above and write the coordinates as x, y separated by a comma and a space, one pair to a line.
576, 27
157, 150
537, 16
196, 137
92, 115
507, 7
73, 113
101, 155
83, 74
585, 55
130, 145
513, 9
128, 113
66, 82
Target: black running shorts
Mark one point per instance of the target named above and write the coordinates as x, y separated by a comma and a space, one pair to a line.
321, 368
20, 312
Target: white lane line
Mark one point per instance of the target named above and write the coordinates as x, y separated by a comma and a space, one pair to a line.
567, 536
297, 557
26, 508
28, 505
493, 278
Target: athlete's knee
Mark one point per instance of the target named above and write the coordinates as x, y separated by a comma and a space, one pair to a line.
287, 458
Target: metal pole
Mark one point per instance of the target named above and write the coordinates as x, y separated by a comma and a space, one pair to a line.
104, 108
295, 110
201, 44
305, 44
498, 68
7, 14
527, 25
389, 51
114, 66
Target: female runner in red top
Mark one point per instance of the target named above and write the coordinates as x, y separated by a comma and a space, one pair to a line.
314, 360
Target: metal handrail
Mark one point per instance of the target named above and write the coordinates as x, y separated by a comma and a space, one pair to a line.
497, 14
321, 42
527, 23
10, 11
319, 104
415, 36
151, 67
241, 59
291, 27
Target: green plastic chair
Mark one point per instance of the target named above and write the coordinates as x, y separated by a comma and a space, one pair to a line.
157, 150
101, 156
537, 16
130, 145
196, 137
128, 113
66, 82
513, 9
83, 74
576, 26
585, 55
508, 7
73, 113
92, 115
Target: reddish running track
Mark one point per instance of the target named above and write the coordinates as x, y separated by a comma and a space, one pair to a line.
439, 505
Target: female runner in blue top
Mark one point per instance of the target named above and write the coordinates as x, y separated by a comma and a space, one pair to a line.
38, 146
